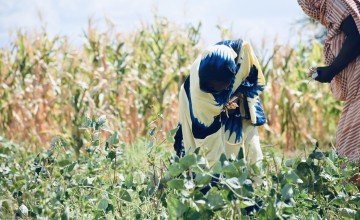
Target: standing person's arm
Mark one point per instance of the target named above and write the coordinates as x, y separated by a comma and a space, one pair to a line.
349, 51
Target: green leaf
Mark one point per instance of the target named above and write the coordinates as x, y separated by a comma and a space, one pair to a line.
71, 167
230, 170
355, 200
96, 143
188, 160
292, 162
302, 169
271, 211
255, 169
173, 131
288, 209
110, 208
351, 188
33, 215
175, 169
240, 164
87, 123
217, 168
222, 159
114, 138
302, 195
124, 195
317, 155
192, 214
314, 216
176, 184
331, 165
103, 204
233, 183
240, 154
347, 213
287, 192
202, 179
64, 216
63, 163
357, 215
129, 180
170, 135
339, 200
99, 214
291, 177
170, 139
111, 155
197, 150
333, 156
262, 214
87, 134
214, 200
246, 203
101, 120
175, 207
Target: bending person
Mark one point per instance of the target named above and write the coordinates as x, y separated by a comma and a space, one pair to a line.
219, 106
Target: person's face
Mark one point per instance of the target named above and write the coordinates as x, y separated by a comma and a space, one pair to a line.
218, 87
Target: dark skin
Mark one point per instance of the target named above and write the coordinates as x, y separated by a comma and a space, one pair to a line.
218, 86
349, 52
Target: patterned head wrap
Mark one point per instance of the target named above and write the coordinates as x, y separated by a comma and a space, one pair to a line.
314, 9
217, 64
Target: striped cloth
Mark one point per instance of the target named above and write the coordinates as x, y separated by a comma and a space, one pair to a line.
345, 85
202, 122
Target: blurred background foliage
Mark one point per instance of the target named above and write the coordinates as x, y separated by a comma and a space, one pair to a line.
48, 86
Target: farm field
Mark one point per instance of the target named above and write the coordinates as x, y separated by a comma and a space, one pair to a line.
87, 133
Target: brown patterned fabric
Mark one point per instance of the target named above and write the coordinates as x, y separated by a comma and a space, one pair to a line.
331, 14
345, 85
313, 8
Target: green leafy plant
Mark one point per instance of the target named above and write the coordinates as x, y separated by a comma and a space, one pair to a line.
112, 180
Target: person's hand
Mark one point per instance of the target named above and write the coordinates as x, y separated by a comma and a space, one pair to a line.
232, 104
325, 74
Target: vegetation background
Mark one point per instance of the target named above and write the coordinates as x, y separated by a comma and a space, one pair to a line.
48, 86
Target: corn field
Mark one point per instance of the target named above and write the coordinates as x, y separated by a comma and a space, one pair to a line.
48, 86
